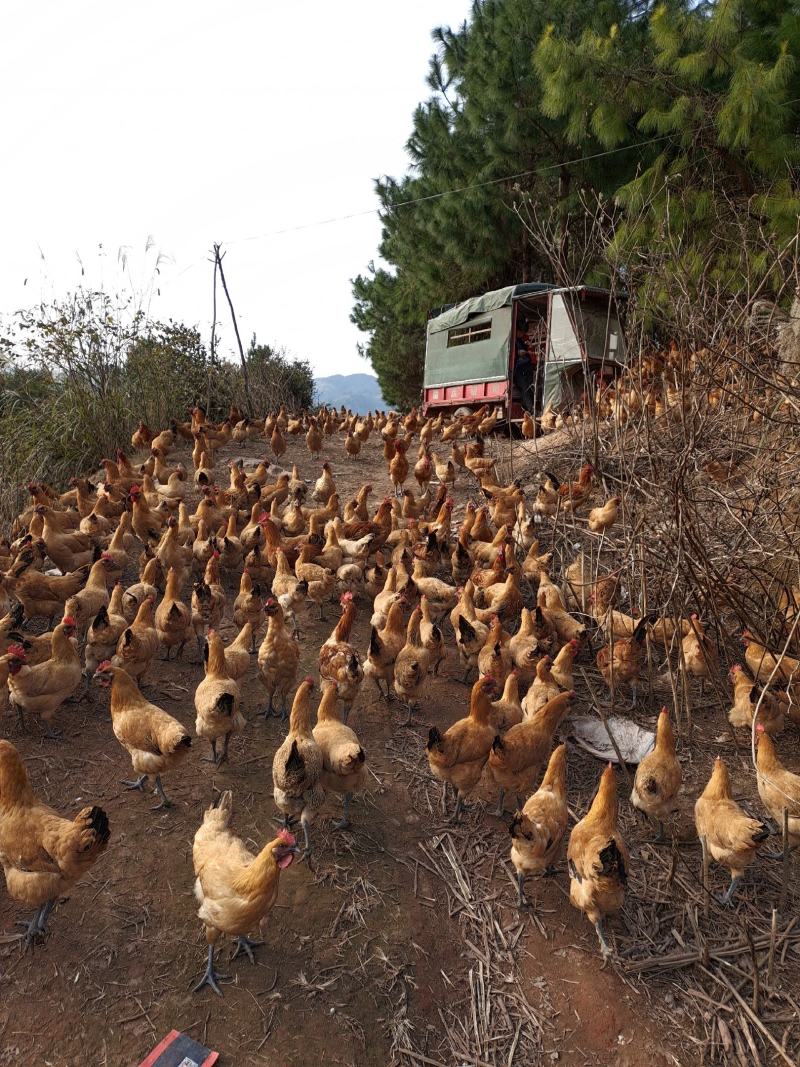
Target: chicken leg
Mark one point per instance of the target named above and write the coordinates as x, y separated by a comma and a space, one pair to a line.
727, 896
307, 842
460, 806
604, 946
344, 822
501, 796
522, 900
165, 801
210, 976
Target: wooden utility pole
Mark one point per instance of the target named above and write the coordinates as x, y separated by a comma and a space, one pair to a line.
218, 265
212, 363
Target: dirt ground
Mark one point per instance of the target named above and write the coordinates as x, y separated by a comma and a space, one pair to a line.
400, 942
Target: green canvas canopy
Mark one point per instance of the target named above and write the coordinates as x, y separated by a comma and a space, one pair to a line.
471, 342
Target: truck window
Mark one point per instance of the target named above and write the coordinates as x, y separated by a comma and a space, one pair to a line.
468, 335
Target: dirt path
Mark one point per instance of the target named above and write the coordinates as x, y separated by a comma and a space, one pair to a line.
399, 943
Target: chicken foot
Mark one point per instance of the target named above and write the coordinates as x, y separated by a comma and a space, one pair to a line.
36, 927
245, 945
138, 783
210, 976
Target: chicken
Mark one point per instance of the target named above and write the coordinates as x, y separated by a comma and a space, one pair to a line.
217, 699
384, 648
598, 860
658, 777
431, 637
603, 518
622, 661
732, 837
104, 632
700, 659
278, 658
495, 656
321, 580
524, 647
458, 756
771, 713
778, 788
67, 548
398, 467
147, 522
502, 598
507, 711
516, 757
538, 829
86, 603
237, 653
412, 663
155, 741
172, 552
297, 767
441, 595
248, 606
208, 602
43, 688
148, 586
43, 855
41, 594
561, 668
234, 888
470, 632
572, 494
339, 662
343, 759
173, 619
765, 665
324, 486
138, 643
352, 445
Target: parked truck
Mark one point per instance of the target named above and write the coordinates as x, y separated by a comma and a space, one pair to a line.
525, 347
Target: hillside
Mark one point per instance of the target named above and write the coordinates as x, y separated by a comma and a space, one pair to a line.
360, 392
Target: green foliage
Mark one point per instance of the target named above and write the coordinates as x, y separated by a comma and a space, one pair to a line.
683, 118
77, 375
277, 379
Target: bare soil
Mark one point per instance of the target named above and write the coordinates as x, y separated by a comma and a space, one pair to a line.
372, 957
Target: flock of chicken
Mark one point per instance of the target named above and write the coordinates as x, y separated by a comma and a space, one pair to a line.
295, 547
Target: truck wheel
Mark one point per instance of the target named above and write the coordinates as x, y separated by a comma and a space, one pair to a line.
461, 412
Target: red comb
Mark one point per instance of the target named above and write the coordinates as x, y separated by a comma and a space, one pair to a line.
286, 838
308, 680
104, 665
17, 651
760, 727
68, 620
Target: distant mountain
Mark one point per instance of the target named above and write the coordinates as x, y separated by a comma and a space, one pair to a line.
360, 392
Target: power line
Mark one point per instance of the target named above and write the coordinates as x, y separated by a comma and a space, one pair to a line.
318, 223
449, 192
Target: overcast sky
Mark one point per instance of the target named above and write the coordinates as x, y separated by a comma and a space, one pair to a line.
181, 123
